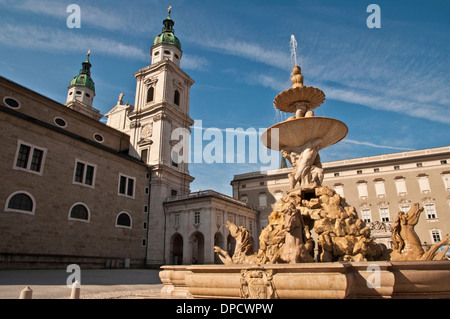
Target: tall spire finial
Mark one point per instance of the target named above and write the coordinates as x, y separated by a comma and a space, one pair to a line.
169, 10
89, 53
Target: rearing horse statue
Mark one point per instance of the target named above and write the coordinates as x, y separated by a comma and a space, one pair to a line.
406, 242
243, 252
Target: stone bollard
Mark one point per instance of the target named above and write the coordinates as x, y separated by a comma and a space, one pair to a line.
75, 294
26, 293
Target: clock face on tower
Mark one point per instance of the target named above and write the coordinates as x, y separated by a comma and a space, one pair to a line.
147, 130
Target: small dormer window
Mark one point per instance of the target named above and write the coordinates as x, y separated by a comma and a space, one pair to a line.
167, 52
156, 53
78, 92
88, 95
176, 56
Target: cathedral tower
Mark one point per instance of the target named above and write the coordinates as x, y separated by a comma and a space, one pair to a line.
81, 92
161, 106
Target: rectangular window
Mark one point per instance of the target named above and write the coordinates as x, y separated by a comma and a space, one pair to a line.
89, 179
144, 155
122, 185
177, 219
126, 185
79, 171
84, 173
22, 157
400, 184
174, 158
430, 211
436, 236
424, 184
197, 218
362, 190
29, 158
405, 209
384, 214
339, 188
446, 178
379, 189
262, 200
366, 215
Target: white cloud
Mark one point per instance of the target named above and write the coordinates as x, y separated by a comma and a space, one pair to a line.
193, 62
48, 39
102, 18
376, 145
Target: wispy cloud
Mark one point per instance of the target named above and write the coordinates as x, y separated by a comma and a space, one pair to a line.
49, 39
194, 62
376, 145
91, 15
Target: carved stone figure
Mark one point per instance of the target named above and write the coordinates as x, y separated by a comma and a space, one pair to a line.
295, 250
406, 242
243, 252
287, 238
305, 160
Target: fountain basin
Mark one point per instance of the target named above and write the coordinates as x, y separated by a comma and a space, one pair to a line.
338, 280
311, 96
297, 132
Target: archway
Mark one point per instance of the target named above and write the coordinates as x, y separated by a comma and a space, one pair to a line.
218, 241
198, 247
177, 249
231, 245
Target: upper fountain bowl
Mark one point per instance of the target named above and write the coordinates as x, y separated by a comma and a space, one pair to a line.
287, 100
297, 132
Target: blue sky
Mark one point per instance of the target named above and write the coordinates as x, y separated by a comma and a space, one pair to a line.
389, 85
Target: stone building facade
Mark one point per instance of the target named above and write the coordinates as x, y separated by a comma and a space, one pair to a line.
200, 218
377, 186
75, 190
69, 192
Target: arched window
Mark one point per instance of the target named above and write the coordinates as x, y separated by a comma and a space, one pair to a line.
80, 212
123, 220
20, 202
150, 93
176, 98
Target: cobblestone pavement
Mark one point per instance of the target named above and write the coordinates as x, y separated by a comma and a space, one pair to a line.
95, 283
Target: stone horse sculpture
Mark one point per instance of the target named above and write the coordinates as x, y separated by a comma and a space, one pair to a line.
288, 240
243, 252
297, 242
406, 242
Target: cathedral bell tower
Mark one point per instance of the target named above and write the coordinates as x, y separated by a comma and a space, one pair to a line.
81, 92
161, 106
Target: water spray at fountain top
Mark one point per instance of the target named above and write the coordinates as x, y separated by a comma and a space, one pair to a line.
293, 45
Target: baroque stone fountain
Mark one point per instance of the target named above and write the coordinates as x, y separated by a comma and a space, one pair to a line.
349, 263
